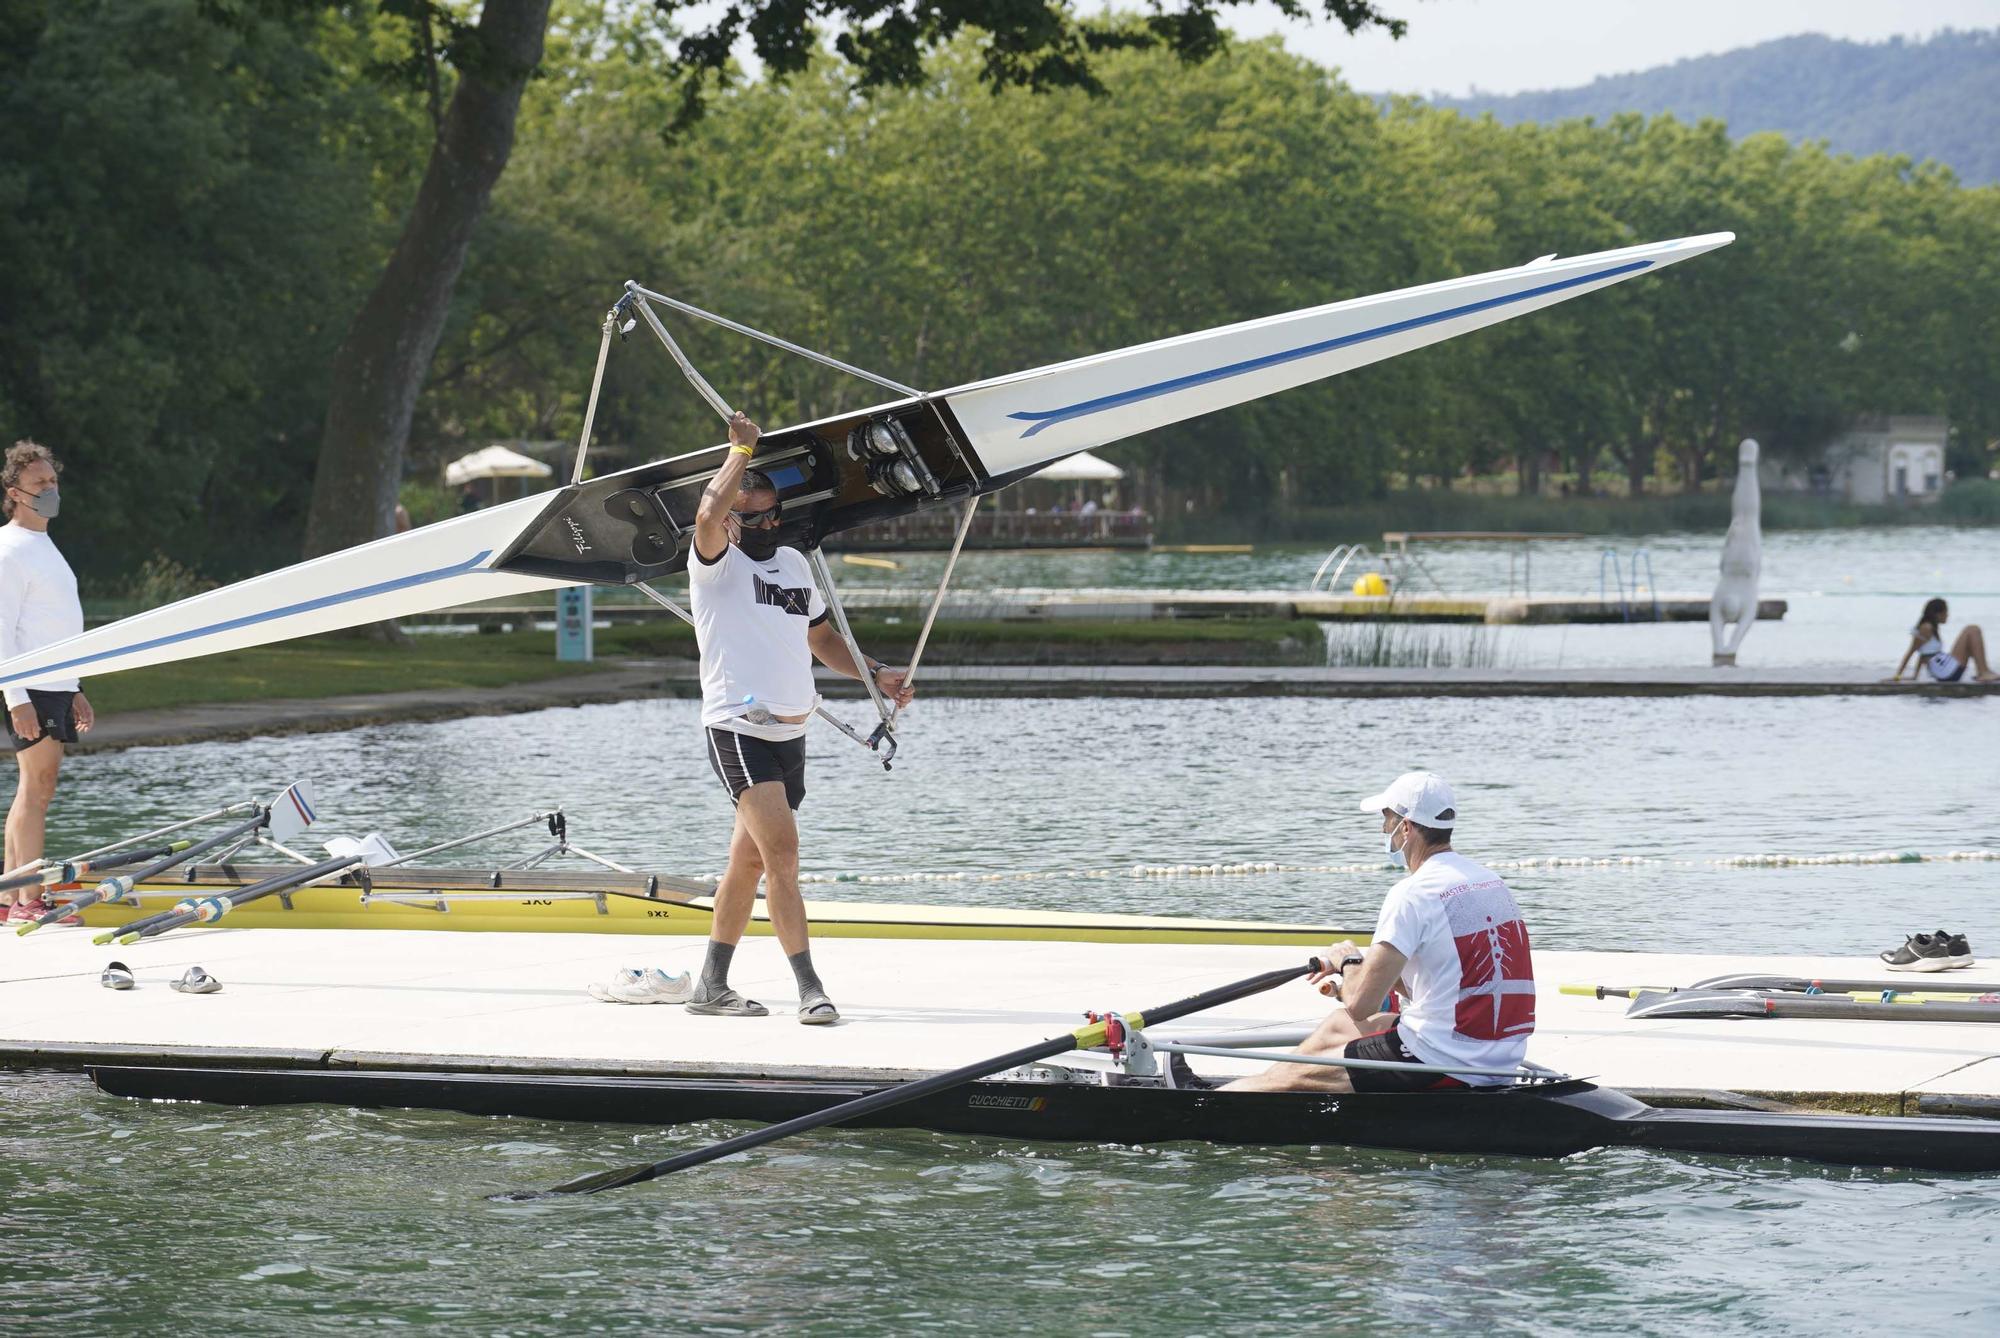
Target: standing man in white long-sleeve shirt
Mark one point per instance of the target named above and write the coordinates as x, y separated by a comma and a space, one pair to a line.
38, 607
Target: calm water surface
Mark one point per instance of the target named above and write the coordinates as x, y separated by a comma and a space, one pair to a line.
129, 1218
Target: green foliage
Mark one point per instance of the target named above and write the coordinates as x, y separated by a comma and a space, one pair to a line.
185, 212
1929, 99
1039, 45
428, 503
161, 580
954, 233
191, 211
1974, 502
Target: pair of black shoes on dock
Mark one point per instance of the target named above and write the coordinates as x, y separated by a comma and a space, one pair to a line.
1942, 951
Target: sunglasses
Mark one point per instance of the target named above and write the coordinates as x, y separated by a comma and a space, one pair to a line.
757, 519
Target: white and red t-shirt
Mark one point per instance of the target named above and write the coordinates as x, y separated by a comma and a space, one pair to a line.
1470, 977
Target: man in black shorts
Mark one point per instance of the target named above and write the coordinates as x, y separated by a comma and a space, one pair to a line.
1450, 940
760, 622
38, 607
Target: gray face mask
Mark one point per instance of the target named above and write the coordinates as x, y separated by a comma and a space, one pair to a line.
46, 503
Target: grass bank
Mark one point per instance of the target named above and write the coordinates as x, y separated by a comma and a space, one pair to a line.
332, 667
342, 666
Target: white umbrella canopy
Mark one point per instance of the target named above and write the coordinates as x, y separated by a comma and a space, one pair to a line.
1083, 467
494, 462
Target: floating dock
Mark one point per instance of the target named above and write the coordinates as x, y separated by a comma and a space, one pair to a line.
629, 680
1117, 680
1140, 605
517, 1003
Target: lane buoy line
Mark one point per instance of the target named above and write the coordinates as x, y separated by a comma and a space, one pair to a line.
1253, 868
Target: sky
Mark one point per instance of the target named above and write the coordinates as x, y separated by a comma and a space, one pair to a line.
1510, 46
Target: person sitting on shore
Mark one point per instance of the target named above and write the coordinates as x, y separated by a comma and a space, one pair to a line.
1451, 940
1945, 666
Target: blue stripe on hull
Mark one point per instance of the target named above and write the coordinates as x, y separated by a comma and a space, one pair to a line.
252, 619
1042, 418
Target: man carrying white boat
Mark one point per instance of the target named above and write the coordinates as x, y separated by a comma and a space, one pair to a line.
760, 622
1451, 941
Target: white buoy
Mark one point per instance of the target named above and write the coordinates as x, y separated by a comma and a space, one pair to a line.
1735, 600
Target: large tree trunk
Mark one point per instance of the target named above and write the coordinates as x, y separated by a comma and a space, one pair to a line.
387, 353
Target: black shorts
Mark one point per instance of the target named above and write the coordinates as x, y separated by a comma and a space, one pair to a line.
1388, 1045
56, 711
744, 760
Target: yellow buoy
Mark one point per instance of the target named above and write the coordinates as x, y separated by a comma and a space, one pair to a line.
1371, 584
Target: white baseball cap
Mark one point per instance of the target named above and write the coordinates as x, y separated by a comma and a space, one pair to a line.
1423, 797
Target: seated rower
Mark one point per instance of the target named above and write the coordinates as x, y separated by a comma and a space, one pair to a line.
1450, 940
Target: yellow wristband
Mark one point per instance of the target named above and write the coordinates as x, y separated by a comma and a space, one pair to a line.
741, 450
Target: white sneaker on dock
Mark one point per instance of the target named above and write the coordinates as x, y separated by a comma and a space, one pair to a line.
647, 985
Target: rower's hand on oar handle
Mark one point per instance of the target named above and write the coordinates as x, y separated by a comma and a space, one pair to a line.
1327, 970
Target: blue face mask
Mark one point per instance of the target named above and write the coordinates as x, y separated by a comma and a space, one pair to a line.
1397, 856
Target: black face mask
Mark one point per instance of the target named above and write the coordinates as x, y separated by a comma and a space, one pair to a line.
761, 544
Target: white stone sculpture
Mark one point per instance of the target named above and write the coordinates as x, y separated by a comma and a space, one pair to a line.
1735, 598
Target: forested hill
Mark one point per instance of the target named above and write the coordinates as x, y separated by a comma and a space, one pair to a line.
1932, 99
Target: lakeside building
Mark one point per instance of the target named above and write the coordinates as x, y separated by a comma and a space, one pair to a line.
1880, 459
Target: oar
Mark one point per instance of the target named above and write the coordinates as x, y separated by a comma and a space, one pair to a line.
117, 889
75, 871
1931, 984
215, 907
1885, 994
1727, 1003
30, 872
1083, 1038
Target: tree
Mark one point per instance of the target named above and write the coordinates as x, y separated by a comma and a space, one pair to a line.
382, 363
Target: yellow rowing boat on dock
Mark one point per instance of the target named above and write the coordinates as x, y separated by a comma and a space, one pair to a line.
601, 901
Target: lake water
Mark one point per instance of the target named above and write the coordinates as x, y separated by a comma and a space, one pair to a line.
133, 1218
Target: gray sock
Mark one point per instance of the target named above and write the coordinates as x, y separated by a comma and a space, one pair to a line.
802, 967
715, 969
